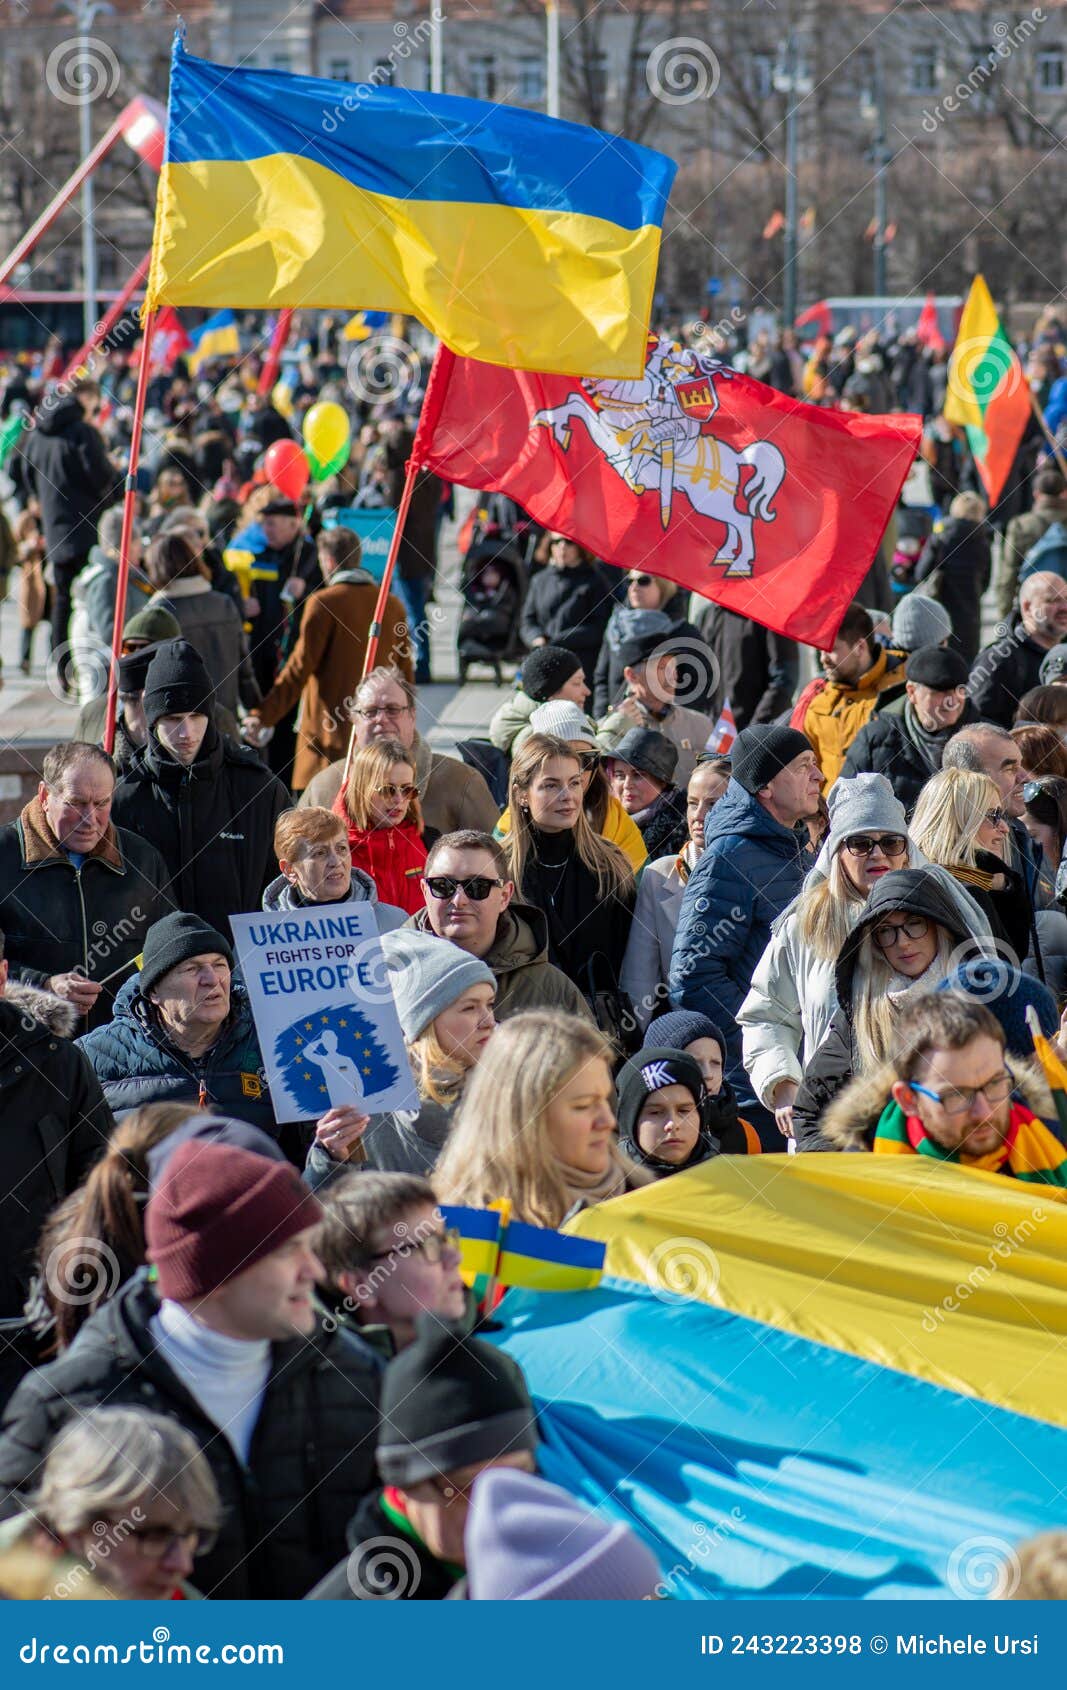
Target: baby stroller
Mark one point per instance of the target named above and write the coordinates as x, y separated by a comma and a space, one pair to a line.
492, 584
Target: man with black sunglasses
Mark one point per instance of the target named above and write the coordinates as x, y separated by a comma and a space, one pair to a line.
470, 901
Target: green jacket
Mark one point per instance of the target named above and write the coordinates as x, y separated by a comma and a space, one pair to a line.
509, 720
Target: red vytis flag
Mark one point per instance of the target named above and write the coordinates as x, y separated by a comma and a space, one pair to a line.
765, 504
169, 340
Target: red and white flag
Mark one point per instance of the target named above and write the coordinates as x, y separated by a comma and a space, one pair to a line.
765, 504
724, 732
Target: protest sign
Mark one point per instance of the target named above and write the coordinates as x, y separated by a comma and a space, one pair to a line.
324, 1012
375, 530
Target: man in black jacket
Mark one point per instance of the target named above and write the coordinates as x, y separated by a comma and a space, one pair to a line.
1008, 668
56, 1125
758, 668
68, 471
228, 1344
452, 1406
906, 741
77, 893
207, 805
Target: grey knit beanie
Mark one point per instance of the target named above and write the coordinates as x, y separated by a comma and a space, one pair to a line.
426, 975
919, 621
564, 720
862, 804
529, 1541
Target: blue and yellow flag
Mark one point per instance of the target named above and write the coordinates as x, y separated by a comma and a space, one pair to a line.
217, 338
513, 1253
518, 239
363, 325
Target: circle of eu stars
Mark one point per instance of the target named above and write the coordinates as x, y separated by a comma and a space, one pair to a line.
357, 1040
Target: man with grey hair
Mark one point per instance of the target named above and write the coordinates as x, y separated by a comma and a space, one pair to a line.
985, 748
452, 794
1008, 668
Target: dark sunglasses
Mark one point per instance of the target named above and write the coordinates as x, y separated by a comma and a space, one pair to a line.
995, 817
1034, 789
391, 791
862, 844
445, 886
641, 580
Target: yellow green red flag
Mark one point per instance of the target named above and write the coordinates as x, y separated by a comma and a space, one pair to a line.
987, 390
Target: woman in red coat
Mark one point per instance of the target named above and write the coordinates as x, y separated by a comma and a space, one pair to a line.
380, 806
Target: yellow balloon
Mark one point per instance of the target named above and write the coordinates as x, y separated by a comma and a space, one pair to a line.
282, 398
326, 430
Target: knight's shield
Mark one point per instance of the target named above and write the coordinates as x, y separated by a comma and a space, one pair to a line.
697, 398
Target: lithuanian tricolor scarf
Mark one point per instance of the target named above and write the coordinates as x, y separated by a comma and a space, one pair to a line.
1030, 1151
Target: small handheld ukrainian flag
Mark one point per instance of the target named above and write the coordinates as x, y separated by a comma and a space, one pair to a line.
495, 1250
217, 338
516, 238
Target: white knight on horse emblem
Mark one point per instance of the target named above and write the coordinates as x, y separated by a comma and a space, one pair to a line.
653, 434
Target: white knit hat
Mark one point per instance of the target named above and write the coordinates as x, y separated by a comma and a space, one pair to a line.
564, 720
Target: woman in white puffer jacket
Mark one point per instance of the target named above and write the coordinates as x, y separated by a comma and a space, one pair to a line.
791, 1000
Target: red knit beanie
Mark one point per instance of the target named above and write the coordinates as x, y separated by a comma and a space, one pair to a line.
217, 1210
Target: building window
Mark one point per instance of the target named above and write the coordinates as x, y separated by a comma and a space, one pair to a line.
340, 70
1051, 71
761, 75
481, 76
384, 73
598, 76
531, 85
922, 71
281, 61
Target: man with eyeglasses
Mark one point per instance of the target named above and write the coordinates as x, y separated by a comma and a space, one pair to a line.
451, 794
906, 740
470, 900
387, 1257
953, 1098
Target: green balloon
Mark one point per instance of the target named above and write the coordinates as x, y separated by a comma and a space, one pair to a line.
323, 471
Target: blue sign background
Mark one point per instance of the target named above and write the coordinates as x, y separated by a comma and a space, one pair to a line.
375, 530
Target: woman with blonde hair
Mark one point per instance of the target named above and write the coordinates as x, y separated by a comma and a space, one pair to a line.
127, 1498
380, 807
584, 885
909, 938
791, 1001
959, 822
537, 1124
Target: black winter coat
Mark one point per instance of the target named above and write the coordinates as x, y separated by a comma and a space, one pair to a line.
310, 1464
212, 823
67, 467
56, 1124
758, 669
55, 917
275, 629
1002, 673
408, 1574
833, 1064
961, 551
886, 746
665, 828
568, 607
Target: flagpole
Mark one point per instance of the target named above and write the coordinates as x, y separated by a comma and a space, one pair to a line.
108, 321
128, 508
374, 632
436, 389
268, 375
1057, 451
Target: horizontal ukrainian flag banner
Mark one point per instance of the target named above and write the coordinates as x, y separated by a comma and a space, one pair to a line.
518, 239
217, 338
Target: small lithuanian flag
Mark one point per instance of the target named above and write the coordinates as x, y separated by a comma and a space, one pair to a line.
987, 390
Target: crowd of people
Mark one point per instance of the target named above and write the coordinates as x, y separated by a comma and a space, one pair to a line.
621, 943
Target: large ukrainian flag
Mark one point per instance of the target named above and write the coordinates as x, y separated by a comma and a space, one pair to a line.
518, 239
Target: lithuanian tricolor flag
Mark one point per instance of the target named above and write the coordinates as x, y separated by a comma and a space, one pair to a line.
987, 390
518, 239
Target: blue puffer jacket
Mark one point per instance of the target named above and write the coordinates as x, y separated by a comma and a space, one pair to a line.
136, 1063
751, 869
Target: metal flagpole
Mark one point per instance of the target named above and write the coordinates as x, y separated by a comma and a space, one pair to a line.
128, 509
552, 58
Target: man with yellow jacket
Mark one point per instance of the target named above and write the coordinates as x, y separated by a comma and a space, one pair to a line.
858, 675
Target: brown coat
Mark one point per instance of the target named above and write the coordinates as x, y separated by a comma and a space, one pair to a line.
452, 795
324, 667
